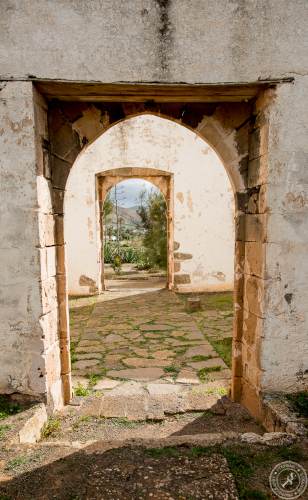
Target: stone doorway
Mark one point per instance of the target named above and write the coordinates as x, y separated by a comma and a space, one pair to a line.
233, 119
163, 181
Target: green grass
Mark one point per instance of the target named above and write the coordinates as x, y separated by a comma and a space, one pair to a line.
224, 348
16, 462
81, 390
8, 407
203, 374
52, 426
93, 379
199, 357
171, 369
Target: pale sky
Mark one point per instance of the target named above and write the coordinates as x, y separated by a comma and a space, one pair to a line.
128, 191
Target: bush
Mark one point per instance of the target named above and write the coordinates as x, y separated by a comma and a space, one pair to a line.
127, 254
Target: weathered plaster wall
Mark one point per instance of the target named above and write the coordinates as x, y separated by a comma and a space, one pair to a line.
29, 354
153, 40
203, 201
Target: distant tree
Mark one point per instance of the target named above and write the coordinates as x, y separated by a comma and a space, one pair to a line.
108, 207
152, 211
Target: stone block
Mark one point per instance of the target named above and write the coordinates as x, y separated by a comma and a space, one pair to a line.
181, 279
31, 430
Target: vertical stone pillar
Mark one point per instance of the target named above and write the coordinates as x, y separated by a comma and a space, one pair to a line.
29, 357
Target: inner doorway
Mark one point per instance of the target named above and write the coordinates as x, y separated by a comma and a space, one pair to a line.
136, 233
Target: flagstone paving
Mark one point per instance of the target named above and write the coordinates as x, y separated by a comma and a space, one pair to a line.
149, 336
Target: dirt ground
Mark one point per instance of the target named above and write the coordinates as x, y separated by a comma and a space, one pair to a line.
231, 471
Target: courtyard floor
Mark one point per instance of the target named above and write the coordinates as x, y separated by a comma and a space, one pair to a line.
138, 354
141, 333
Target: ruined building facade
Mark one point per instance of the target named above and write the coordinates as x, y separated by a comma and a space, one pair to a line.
235, 72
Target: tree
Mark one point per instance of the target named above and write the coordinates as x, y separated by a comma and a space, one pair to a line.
152, 211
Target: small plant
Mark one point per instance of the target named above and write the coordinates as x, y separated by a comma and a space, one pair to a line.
3, 430
203, 374
93, 379
117, 264
81, 390
52, 426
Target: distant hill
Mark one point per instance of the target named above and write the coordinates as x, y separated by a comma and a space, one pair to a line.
129, 215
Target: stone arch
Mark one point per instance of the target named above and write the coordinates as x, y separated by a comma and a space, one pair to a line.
162, 148
233, 131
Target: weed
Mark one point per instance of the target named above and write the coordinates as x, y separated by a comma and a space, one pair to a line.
171, 369
80, 390
203, 374
93, 379
199, 357
52, 426
8, 407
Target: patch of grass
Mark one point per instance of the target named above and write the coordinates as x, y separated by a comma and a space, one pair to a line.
16, 462
3, 430
8, 407
168, 451
52, 426
299, 403
199, 357
198, 451
124, 422
81, 390
180, 350
203, 374
81, 420
172, 369
224, 348
93, 379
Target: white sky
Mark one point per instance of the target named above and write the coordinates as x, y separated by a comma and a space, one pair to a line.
128, 191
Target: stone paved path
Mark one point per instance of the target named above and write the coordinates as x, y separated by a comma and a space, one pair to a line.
145, 337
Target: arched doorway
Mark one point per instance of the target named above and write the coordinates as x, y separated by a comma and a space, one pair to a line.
145, 218
200, 213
